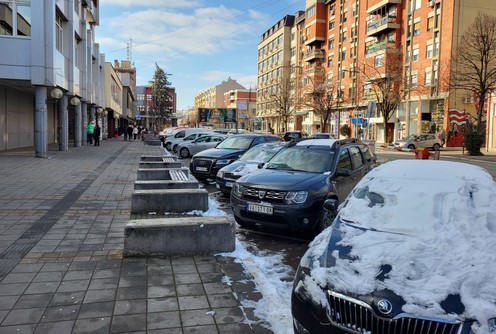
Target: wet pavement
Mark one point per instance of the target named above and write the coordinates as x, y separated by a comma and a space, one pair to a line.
61, 243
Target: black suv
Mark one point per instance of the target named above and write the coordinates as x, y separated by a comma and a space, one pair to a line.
206, 164
290, 190
290, 135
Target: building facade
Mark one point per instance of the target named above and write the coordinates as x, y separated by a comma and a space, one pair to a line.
245, 103
355, 48
50, 80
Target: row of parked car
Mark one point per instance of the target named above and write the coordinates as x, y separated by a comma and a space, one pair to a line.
405, 247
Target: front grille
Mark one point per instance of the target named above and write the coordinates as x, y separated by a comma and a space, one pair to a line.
358, 317
205, 163
270, 196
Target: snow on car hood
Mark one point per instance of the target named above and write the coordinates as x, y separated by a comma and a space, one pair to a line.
442, 219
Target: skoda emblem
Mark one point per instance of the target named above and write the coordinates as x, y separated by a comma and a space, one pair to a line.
261, 194
384, 306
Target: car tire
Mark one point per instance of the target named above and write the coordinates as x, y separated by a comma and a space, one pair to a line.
168, 146
411, 147
242, 223
184, 152
436, 147
325, 220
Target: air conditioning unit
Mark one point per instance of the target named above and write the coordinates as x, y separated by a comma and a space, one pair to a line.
430, 3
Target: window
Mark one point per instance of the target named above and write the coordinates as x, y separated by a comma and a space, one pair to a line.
414, 80
331, 44
379, 61
429, 51
330, 62
430, 23
415, 54
15, 18
356, 157
416, 29
311, 12
77, 51
428, 75
344, 160
332, 24
59, 34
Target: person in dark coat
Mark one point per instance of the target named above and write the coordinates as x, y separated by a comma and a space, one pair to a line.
130, 132
96, 135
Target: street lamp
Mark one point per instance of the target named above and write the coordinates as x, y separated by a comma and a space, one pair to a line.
56, 93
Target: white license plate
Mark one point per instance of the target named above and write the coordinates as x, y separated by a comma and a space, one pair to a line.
268, 210
201, 169
229, 184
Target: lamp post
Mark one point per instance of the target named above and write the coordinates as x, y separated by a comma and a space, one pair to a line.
105, 124
99, 112
63, 118
76, 102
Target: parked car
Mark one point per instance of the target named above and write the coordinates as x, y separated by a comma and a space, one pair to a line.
168, 131
223, 131
412, 250
422, 140
247, 163
237, 131
206, 164
322, 135
290, 135
180, 134
204, 142
290, 190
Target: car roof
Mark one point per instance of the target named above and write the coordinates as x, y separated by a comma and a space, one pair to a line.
252, 135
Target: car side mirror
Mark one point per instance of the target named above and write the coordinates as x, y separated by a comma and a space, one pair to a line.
343, 172
331, 205
261, 165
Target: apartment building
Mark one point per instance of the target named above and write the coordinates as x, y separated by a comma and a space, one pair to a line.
356, 47
245, 103
274, 74
145, 114
51, 75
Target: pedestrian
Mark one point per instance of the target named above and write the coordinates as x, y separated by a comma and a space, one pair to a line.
124, 132
442, 137
96, 134
143, 132
91, 129
135, 133
130, 132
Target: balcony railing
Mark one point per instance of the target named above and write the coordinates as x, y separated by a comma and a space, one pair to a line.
379, 46
314, 54
388, 22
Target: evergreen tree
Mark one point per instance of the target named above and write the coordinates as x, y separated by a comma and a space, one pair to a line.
162, 100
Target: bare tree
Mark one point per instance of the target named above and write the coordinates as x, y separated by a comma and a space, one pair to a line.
162, 101
322, 96
474, 70
283, 99
386, 86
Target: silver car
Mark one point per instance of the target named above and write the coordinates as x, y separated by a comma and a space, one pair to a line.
421, 140
202, 143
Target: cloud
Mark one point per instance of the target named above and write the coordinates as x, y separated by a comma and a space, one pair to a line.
153, 3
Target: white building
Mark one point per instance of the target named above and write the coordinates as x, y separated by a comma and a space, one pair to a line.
51, 73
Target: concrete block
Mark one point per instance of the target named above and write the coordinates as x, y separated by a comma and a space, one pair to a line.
179, 236
169, 200
159, 173
166, 184
159, 164
157, 157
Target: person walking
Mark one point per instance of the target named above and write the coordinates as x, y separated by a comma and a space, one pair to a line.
135, 133
91, 129
130, 132
96, 134
123, 130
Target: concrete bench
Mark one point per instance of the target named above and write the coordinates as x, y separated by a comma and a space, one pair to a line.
165, 184
159, 173
157, 158
159, 164
169, 200
168, 159
179, 236
178, 175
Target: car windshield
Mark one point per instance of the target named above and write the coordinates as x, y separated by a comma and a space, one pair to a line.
411, 137
261, 153
236, 143
302, 159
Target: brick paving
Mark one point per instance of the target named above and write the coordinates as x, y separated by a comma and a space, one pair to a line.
61, 243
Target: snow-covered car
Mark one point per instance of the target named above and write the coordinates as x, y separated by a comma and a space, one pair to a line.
202, 143
422, 140
412, 250
247, 163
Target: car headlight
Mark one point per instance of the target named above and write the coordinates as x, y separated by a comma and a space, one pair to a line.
220, 174
296, 197
238, 190
223, 162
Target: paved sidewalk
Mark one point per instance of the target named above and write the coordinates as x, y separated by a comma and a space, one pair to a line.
61, 266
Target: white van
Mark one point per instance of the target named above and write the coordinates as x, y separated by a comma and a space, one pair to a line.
179, 135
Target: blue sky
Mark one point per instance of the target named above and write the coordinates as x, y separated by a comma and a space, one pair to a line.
199, 42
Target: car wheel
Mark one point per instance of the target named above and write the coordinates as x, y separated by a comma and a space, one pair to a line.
184, 152
326, 219
411, 147
242, 223
436, 147
168, 146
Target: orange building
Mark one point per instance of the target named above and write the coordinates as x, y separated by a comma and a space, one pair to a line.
356, 46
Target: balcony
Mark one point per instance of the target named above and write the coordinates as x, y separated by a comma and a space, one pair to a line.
382, 25
314, 54
374, 48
